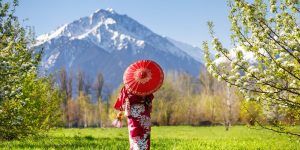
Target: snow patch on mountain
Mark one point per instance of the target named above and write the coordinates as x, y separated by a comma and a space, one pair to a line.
46, 37
51, 60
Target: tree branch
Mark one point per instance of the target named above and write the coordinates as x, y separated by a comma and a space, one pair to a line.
278, 131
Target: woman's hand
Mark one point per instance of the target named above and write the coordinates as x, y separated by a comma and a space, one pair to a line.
120, 115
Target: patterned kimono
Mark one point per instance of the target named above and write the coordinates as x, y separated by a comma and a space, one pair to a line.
137, 109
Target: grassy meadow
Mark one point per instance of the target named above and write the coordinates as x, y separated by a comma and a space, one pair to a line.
162, 138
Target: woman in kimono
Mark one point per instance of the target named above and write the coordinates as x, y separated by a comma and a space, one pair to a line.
141, 79
137, 110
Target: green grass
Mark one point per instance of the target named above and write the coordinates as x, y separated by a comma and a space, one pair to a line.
174, 138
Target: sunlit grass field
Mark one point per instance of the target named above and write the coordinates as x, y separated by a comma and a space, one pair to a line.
162, 138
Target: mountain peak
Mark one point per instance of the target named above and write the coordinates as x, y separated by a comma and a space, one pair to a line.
104, 11
110, 31
110, 10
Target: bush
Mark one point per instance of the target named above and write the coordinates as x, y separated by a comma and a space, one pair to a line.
37, 109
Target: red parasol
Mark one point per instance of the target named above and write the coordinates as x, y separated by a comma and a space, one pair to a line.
143, 77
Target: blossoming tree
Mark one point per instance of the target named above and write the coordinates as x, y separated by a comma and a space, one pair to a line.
268, 31
28, 104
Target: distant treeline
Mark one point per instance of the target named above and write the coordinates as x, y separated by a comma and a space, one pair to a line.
182, 100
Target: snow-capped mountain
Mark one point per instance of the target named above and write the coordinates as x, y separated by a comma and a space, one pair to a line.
108, 42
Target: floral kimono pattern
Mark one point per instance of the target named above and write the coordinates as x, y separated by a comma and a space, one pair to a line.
137, 109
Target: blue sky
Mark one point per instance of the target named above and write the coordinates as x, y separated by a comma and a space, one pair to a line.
181, 20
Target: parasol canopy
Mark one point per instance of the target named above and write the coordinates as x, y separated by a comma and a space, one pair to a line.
143, 77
